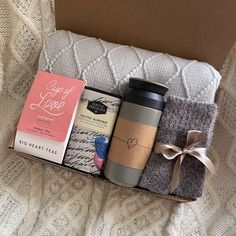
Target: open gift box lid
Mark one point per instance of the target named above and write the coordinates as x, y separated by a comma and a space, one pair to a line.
202, 30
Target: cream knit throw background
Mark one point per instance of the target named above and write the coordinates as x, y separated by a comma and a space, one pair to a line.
38, 199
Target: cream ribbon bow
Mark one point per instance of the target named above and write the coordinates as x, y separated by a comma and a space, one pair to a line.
170, 152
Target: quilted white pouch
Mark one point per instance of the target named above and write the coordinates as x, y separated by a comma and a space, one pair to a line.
108, 66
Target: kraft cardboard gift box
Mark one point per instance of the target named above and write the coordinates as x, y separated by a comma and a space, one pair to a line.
50, 111
202, 30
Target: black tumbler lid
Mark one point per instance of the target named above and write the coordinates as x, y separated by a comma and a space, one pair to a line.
148, 86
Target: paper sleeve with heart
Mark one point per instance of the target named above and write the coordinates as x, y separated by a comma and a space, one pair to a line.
133, 140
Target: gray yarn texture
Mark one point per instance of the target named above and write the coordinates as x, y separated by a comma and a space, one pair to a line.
180, 116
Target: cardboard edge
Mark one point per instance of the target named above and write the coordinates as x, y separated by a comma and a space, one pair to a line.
204, 35
12, 140
40, 160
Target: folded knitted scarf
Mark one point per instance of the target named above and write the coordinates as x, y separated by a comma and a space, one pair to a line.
180, 116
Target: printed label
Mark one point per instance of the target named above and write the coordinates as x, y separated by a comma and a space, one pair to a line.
97, 107
131, 143
97, 113
50, 105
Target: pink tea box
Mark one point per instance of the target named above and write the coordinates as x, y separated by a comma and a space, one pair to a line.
48, 115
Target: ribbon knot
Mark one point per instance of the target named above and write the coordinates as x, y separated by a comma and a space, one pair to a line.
170, 152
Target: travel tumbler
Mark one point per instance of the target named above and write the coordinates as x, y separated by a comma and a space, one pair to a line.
134, 132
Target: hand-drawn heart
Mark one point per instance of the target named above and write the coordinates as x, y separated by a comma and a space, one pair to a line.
131, 142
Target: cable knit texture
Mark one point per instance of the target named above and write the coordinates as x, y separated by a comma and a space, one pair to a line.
108, 66
180, 116
1, 75
38, 199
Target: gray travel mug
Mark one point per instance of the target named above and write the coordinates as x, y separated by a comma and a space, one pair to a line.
134, 132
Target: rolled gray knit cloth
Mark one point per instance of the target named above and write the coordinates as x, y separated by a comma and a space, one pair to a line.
180, 116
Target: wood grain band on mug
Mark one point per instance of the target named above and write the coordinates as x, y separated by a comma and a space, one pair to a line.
132, 143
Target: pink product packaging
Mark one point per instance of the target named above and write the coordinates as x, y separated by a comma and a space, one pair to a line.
48, 115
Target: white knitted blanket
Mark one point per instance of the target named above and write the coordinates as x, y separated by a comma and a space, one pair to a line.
38, 199
108, 66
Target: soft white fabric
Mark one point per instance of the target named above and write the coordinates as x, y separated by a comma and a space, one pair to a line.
108, 66
38, 199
